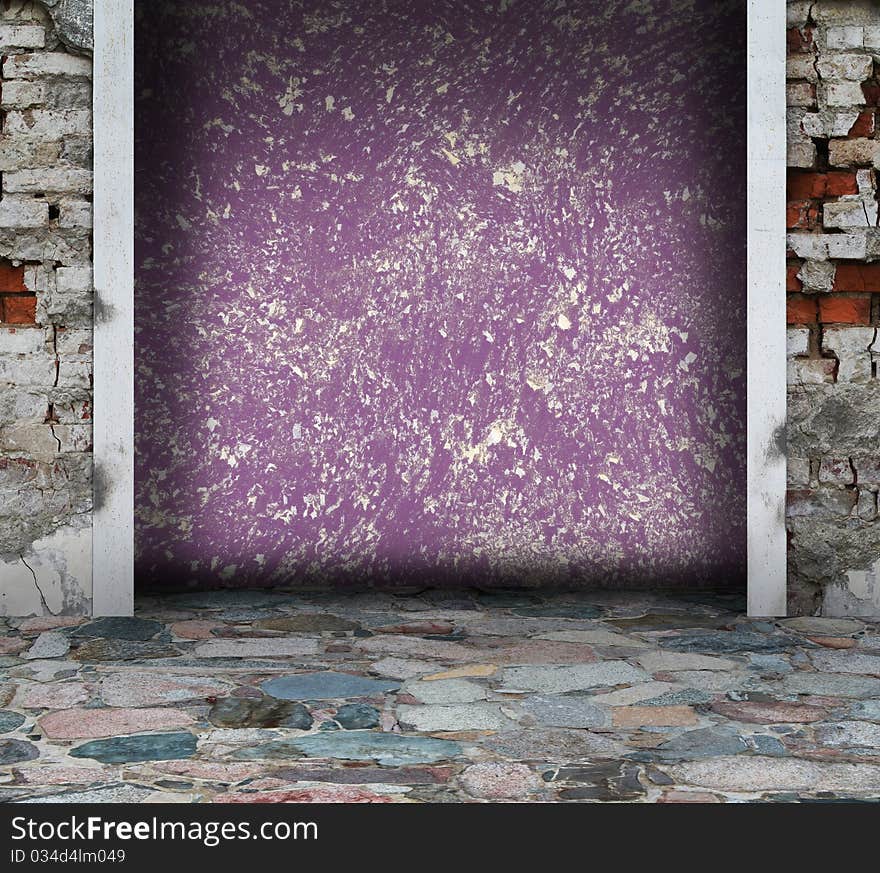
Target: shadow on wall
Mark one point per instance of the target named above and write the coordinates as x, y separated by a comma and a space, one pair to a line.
450, 293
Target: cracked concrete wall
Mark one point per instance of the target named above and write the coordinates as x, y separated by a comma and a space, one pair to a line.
45, 307
833, 306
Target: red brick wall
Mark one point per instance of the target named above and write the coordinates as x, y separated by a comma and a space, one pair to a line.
833, 291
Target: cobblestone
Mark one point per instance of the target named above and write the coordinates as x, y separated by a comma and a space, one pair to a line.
335, 718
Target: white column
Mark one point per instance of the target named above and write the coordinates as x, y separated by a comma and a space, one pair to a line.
113, 536
766, 309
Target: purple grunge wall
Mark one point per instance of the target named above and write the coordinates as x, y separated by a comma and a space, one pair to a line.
441, 292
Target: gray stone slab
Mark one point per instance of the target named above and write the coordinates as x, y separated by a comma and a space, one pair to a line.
326, 685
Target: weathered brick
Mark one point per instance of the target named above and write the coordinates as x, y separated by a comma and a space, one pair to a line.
827, 123
800, 154
72, 405
871, 37
39, 278
21, 36
851, 346
73, 342
27, 152
810, 371
836, 471
835, 13
66, 180
74, 374
33, 440
847, 213
74, 437
797, 12
11, 277
73, 280
857, 277
18, 341
70, 301
816, 186
792, 283
801, 215
867, 469
866, 508
829, 245
44, 244
19, 309
22, 94
23, 212
837, 309
27, 370
66, 93
823, 502
800, 94
75, 213
801, 310
845, 37
844, 94
798, 471
77, 151
32, 66
20, 406
866, 183
799, 39
871, 93
52, 123
797, 341
817, 276
801, 66
864, 125
845, 67
855, 152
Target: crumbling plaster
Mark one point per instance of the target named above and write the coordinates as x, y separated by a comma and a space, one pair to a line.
45, 308
833, 306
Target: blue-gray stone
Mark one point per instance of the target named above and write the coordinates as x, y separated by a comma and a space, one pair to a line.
566, 710
357, 716
226, 598
769, 664
658, 621
866, 710
392, 750
119, 628
73, 22
559, 611
831, 685
118, 793
9, 721
142, 747
15, 751
242, 712
102, 649
326, 686
685, 697
725, 642
765, 745
708, 742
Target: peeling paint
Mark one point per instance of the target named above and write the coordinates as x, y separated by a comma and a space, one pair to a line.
53, 578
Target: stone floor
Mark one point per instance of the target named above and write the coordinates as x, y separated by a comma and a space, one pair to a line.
255, 697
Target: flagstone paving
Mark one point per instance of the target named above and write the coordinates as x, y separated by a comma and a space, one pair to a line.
459, 696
